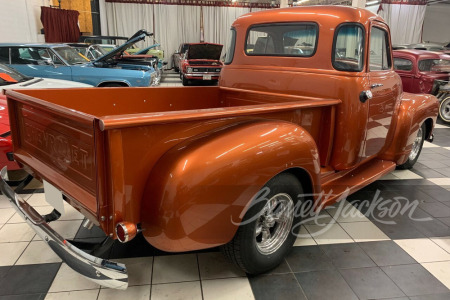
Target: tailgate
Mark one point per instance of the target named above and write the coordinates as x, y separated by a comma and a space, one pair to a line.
58, 144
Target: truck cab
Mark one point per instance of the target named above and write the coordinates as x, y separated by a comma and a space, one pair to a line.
343, 54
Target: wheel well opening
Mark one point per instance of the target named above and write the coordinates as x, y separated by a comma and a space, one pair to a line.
428, 126
112, 84
304, 178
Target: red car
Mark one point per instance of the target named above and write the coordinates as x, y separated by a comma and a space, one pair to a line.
201, 62
6, 158
421, 71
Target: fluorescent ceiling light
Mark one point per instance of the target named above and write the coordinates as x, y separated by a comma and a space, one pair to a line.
372, 2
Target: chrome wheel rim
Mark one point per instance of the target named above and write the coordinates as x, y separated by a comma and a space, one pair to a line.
274, 223
445, 110
416, 146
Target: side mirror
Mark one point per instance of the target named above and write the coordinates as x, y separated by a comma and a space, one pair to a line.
50, 62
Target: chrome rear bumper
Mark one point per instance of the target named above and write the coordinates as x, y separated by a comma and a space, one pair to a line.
101, 271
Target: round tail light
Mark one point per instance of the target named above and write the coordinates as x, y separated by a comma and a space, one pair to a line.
125, 231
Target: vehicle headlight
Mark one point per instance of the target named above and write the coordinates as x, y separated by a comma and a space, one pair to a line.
189, 70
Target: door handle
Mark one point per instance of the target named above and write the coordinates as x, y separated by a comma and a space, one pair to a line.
375, 85
365, 95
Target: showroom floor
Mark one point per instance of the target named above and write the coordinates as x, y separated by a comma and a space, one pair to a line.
372, 252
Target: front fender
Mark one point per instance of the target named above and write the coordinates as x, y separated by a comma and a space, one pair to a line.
198, 192
96, 75
414, 110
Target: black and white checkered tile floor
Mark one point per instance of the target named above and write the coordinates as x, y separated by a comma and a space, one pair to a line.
172, 78
360, 256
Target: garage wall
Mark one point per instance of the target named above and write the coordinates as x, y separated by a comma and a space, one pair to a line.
436, 27
21, 20
171, 24
84, 8
373, 8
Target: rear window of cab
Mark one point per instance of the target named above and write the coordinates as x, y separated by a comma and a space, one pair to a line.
282, 39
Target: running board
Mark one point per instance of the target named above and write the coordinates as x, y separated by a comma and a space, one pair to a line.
339, 188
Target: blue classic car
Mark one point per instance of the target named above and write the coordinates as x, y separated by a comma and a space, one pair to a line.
63, 62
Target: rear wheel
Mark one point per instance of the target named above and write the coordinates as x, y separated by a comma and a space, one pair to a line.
416, 149
444, 110
266, 234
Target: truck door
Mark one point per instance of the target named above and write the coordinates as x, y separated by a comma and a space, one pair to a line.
385, 88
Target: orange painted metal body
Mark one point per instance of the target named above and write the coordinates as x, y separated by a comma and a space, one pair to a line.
185, 162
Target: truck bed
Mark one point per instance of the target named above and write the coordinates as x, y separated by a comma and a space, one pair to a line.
116, 105
99, 145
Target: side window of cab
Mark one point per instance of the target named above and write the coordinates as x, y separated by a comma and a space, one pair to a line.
348, 47
379, 51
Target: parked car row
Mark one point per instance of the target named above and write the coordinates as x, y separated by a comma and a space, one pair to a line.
60, 61
85, 63
73, 65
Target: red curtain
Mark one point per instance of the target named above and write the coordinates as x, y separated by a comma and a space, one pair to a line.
60, 25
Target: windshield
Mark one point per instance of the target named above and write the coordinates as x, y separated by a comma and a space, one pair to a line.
11, 76
92, 52
107, 48
70, 55
434, 65
96, 52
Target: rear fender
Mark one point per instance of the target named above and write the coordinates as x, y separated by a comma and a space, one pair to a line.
199, 191
414, 110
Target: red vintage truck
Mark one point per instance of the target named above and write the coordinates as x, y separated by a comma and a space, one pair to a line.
307, 102
425, 72
201, 62
422, 71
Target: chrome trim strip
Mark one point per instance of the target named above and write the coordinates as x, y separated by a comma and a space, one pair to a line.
203, 73
99, 270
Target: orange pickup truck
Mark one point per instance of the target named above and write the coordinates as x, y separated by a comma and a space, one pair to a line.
307, 103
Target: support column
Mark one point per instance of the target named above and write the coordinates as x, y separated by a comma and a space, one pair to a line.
359, 3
